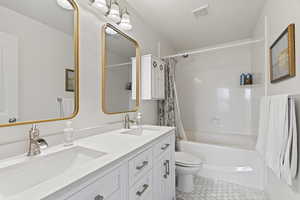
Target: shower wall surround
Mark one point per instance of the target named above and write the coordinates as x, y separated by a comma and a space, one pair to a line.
13, 140
210, 97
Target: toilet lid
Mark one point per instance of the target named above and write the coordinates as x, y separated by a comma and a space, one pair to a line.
185, 159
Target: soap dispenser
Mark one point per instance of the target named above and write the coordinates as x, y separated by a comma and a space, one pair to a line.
68, 134
139, 120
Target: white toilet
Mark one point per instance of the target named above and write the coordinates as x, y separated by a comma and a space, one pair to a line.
187, 166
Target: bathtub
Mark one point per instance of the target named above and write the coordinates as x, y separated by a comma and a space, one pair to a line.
229, 162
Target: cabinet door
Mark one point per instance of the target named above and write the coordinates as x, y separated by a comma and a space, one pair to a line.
154, 79
105, 188
163, 178
87, 196
161, 81
158, 180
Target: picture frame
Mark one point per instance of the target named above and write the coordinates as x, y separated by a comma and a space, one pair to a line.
282, 56
70, 80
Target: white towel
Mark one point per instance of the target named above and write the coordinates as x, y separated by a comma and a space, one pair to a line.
289, 159
278, 136
263, 125
277, 132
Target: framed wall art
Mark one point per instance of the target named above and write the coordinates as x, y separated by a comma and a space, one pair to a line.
282, 56
70, 80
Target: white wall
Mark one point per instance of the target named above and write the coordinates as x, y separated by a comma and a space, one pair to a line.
258, 71
280, 13
44, 53
90, 114
210, 97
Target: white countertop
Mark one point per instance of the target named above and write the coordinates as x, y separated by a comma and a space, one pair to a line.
115, 145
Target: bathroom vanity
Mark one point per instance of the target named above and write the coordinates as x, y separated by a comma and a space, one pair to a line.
99, 167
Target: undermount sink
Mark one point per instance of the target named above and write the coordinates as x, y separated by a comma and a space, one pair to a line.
133, 131
23, 175
140, 131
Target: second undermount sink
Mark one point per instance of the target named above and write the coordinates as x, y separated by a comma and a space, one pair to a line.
29, 172
140, 131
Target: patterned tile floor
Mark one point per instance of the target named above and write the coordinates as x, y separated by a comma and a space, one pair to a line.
208, 189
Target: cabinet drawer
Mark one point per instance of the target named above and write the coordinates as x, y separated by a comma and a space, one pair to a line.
142, 190
139, 165
105, 188
162, 146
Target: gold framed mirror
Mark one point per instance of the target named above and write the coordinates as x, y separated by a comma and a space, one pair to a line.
39, 45
121, 63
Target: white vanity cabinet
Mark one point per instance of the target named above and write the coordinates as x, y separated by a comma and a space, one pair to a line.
146, 174
152, 78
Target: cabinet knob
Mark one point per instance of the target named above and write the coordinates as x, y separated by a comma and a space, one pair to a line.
140, 193
165, 147
99, 197
12, 120
167, 169
144, 164
161, 67
154, 64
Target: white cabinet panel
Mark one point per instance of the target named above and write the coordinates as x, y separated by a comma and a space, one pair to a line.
139, 165
164, 169
152, 78
142, 190
162, 177
105, 188
162, 146
161, 81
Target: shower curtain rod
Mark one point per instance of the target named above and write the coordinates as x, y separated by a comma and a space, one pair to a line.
119, 65
222, 46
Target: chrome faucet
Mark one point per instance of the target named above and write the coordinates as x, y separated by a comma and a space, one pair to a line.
127, 122
35, 142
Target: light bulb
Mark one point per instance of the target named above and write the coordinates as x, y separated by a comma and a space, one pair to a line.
114, 12
125, 21
65, 4
101, 5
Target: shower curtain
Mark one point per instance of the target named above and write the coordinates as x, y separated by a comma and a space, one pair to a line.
168, 109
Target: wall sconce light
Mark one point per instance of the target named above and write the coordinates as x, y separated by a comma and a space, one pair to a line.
65, 4
125, 21
112, 12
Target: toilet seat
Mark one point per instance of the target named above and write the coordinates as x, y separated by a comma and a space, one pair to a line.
187, 160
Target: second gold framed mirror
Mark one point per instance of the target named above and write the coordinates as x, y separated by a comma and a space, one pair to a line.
121, 63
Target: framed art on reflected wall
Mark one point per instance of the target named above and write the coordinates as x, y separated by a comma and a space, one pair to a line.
70, 80
282, 56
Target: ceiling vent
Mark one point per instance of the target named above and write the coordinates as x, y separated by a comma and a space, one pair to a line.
201, 11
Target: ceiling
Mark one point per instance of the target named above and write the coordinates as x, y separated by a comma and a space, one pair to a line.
227, 20
45, 11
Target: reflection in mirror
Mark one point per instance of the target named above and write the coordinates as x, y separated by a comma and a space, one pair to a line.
39, 61
121, 64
